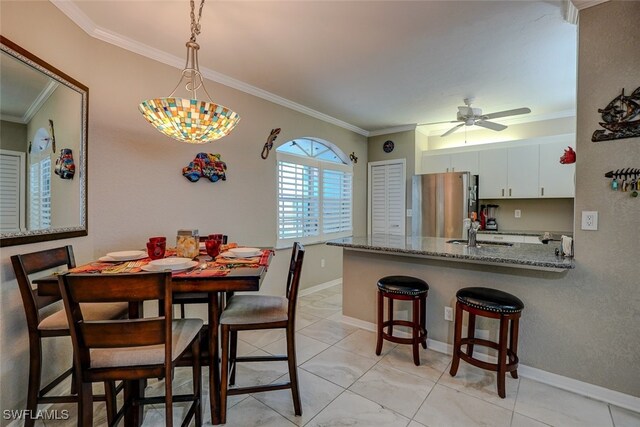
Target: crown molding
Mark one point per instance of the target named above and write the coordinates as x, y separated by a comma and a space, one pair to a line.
395, 129
584, 4
83, 21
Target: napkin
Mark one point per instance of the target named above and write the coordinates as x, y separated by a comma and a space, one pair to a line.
567, 246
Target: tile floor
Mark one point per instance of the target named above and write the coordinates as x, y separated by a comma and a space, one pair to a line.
343, 383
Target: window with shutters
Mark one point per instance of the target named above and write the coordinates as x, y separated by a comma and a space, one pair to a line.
315, 186
12, 178
40, 194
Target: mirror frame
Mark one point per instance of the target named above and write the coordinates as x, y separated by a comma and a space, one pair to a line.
34, 236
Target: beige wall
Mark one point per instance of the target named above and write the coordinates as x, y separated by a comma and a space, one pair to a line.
582, 324
404, 148
136, 189
537, 214
478, 136
13, 136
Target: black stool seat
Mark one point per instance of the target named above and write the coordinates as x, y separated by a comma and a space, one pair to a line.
490, 299
403, 285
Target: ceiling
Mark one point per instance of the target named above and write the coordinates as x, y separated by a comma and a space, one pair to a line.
365, 65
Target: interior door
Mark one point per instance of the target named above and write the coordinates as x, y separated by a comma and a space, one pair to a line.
387, 197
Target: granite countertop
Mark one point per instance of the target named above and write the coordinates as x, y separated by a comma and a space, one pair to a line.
527, 233
520, 255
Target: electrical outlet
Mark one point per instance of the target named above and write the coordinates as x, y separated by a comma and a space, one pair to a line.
409, 213
322, 263
518, 213
589, 220
448, 314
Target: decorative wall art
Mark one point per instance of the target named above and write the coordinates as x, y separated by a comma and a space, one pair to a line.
53, 136
353, 157
620, 118
65, 168
269, 144
207, 165
568, 157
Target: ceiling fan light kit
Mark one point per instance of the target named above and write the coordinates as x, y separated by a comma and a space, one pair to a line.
470, 116
190, 120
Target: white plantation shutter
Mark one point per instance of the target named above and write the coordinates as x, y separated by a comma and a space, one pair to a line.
40, 195
314, 199
336, 201
298, 200
11, 191
387, 197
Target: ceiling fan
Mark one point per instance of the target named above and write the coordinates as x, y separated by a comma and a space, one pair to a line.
470, 116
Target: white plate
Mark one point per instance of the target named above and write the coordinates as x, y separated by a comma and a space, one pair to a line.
186, 266
245, 252
126, 255
233, 256
173, 263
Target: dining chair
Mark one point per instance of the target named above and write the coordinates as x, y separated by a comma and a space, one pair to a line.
131, 350
43, 323
254, 312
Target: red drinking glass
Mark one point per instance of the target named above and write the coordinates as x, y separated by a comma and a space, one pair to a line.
157, 239
213, 247
156, 249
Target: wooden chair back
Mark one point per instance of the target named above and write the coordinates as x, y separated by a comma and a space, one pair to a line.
26, 264
104, 288
293, 278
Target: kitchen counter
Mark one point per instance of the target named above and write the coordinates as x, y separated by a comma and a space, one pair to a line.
517, 255
527, 233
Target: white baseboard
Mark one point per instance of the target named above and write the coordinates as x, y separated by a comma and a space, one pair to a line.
319, 287
592, 391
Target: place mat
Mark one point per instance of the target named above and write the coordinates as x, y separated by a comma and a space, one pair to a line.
111, 268
256, 261
212, 270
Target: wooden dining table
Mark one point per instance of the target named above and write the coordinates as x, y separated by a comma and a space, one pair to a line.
196, 287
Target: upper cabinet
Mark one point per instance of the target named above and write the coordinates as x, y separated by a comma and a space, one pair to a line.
556, 179
466, 161
519, 172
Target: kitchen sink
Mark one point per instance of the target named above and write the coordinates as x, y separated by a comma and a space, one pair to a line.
480, 243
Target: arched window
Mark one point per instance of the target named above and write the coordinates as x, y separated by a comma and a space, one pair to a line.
315, 186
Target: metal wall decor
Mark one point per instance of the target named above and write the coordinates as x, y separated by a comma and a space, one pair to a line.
65, 168
625, 180
353, 157
269, 144
620, 118
207, 165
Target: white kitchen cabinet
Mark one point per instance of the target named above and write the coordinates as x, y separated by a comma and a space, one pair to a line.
436, 163
466, 161
509, 238
522, 171
556, 179
492, 171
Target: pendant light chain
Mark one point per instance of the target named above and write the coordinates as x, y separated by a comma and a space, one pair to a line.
195, 24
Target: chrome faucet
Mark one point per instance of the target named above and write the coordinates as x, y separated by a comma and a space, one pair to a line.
473, 232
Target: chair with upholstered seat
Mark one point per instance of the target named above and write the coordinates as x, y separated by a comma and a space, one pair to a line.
254, 312
40, 325
131, 350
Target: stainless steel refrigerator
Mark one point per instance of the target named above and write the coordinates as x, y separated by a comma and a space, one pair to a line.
441, 201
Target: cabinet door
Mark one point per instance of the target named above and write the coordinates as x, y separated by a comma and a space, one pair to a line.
387, 198
522, 174
465, 162
436, 163
556, 179
492, 171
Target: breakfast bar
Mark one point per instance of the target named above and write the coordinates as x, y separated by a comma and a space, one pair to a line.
533, 272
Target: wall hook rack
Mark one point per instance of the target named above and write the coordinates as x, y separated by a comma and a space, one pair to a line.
625, 179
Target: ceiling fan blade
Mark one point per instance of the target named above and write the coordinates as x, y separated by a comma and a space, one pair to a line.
453, 129
506, 113
490, 125
437, 123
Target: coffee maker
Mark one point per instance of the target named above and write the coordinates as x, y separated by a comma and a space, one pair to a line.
491, 223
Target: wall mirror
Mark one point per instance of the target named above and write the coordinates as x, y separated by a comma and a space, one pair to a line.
43, 150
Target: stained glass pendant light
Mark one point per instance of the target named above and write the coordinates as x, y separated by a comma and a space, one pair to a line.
190, 120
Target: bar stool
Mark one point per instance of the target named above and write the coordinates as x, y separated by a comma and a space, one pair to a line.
408, 289
494, 304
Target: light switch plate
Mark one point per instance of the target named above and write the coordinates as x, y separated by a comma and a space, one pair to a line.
518, 213
409, 213
589, 220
